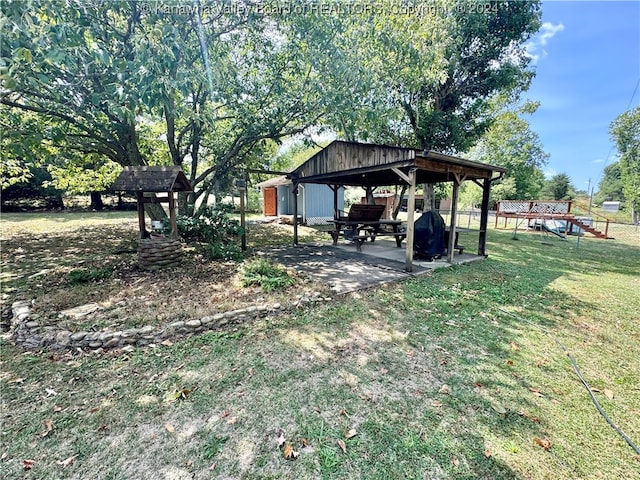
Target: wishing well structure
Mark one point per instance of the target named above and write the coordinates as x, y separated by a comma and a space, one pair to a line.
157, 247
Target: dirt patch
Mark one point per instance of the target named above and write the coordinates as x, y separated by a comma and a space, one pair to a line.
97, 264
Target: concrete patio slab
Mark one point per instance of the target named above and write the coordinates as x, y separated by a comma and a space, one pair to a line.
345, 269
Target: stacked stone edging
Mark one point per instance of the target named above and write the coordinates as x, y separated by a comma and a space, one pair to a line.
29, 334
158, 252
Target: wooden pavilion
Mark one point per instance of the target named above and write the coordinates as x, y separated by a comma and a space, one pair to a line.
368, 165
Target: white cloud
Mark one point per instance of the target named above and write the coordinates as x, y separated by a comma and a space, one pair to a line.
535, 47
598, 160
549, 173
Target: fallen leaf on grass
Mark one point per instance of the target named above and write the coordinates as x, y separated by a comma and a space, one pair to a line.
28, 464
280, 441
487, 453
350, 434
51, 392
57, 408
289, 453
443, 361
543, 442
444, 389
48, 428
303, 442
536, 392
15, 380
608, 393
67, 461
170, 428
455, 461
167, 343
510, 362
343, 446
436, 403
528, 416
181, 394
514, 346
102, 428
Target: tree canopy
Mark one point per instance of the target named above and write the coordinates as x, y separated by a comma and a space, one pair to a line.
625, 132
215, 90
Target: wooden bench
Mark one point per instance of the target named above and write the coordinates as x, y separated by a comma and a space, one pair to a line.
359, 212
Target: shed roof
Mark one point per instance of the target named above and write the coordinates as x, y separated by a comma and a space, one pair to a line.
152, 179
275, 182
364, 164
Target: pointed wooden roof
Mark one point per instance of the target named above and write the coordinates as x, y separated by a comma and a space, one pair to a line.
364, 164
152, 179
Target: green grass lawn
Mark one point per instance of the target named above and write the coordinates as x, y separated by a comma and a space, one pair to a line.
426, 378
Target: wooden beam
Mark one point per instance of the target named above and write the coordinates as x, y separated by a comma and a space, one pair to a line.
441, 167
141, 225
295, 213
243, 223
411, 207
454, 212
484, 217
334, 189
172, 216
401, 174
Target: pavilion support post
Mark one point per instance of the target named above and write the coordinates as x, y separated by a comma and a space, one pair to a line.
454, 211
411, 207
295, 213
172, 216
335, 189
141, 225
484, 217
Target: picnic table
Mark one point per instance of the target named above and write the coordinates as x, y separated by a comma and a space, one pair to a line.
363, 223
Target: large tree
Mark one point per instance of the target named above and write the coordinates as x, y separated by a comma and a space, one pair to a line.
625, 132
610, 186
558, 187
509, 142
223, 83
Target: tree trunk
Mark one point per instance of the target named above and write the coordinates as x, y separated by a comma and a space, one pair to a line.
369, 195
396, 210
428, 197
96, 201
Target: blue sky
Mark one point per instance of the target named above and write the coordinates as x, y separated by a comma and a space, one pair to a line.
587, 57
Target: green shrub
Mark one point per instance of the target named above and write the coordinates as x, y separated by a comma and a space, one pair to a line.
88, 275
265, 274
215, 227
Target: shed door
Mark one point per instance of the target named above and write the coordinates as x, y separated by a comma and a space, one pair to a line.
270, 202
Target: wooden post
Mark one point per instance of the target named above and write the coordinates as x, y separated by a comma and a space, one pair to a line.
484, 217
295, 214
411, 207
452, 223
141, 225
172, 216
243, 224
335, 189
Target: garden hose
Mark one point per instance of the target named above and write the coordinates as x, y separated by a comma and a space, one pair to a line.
579, 374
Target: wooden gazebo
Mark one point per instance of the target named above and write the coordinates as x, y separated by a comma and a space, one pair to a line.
367, 165
155, 251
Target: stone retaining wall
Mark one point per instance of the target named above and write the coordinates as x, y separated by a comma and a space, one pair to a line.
29, 334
